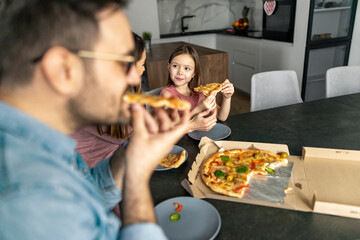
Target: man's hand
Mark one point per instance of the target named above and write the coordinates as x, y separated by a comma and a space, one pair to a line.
152, 139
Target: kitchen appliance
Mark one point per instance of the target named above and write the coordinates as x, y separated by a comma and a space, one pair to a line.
279, 25
330, 29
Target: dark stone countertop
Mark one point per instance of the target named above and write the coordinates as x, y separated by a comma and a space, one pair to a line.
249, 33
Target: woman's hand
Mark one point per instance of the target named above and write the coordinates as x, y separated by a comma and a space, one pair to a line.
209, 102
227, 89
203, 121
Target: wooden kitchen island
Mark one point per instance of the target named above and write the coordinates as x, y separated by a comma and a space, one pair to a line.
214, 64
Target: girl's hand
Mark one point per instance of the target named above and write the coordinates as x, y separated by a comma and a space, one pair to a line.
227, 89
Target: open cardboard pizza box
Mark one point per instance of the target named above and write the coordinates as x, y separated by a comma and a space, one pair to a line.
322, 180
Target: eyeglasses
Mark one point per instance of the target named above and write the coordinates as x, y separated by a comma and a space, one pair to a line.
127, 61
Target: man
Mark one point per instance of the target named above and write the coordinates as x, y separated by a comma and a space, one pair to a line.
65, 64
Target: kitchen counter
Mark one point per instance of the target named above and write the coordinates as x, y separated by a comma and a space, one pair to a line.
214, 64
249, 33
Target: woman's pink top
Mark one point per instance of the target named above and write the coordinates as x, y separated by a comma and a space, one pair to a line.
194, 98
94, 147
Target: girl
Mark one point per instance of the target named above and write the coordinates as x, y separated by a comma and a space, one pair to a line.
184, 76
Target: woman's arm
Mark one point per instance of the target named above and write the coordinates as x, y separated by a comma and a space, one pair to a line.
208, 103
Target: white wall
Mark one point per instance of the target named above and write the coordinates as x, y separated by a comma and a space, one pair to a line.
209, 15
143, 16
354, 58
288, 56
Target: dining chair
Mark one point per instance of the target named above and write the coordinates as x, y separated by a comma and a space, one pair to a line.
274, 89
342, 81
155, 91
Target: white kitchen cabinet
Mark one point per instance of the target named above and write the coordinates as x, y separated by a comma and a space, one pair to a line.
244, 59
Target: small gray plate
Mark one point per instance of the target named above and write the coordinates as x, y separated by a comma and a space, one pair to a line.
176, 150
218, 132
198, 219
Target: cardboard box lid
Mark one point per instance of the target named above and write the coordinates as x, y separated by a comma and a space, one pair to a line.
310, 180
334, 178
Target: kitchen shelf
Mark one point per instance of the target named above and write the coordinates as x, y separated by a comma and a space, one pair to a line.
332, 9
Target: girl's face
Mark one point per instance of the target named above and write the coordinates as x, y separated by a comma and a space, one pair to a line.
140, 65
182, 69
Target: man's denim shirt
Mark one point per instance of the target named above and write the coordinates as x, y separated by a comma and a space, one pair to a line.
48, 192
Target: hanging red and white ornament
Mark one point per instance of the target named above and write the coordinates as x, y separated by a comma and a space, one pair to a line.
269, 7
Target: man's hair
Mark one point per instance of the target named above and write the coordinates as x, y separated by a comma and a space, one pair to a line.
185, 49
28, 28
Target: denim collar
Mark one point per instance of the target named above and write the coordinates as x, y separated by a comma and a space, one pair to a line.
24, 126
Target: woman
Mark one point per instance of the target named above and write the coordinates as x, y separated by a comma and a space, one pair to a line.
96, 143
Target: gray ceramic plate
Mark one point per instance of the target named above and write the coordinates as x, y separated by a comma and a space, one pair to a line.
176, 150
198, 219
218, 132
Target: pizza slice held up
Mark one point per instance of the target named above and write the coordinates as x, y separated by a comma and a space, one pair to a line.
157, 101
209, 88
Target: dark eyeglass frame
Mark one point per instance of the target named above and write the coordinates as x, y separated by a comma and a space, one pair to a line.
128, 59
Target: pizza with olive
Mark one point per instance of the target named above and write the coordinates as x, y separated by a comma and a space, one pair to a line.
157, 101
173, 160
209, 88
229, 172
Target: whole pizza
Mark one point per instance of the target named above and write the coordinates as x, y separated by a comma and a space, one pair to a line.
229, 172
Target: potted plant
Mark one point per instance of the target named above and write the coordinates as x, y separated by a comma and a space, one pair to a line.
147, 39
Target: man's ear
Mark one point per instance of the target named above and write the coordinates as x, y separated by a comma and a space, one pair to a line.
62, 70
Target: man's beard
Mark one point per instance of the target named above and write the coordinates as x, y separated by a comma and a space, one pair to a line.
80, 118
77, 109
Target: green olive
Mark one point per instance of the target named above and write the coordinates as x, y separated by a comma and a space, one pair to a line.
284, 155
256, 155
174, 217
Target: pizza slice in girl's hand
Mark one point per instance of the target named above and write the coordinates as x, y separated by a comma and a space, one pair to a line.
209, 88
157, 101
